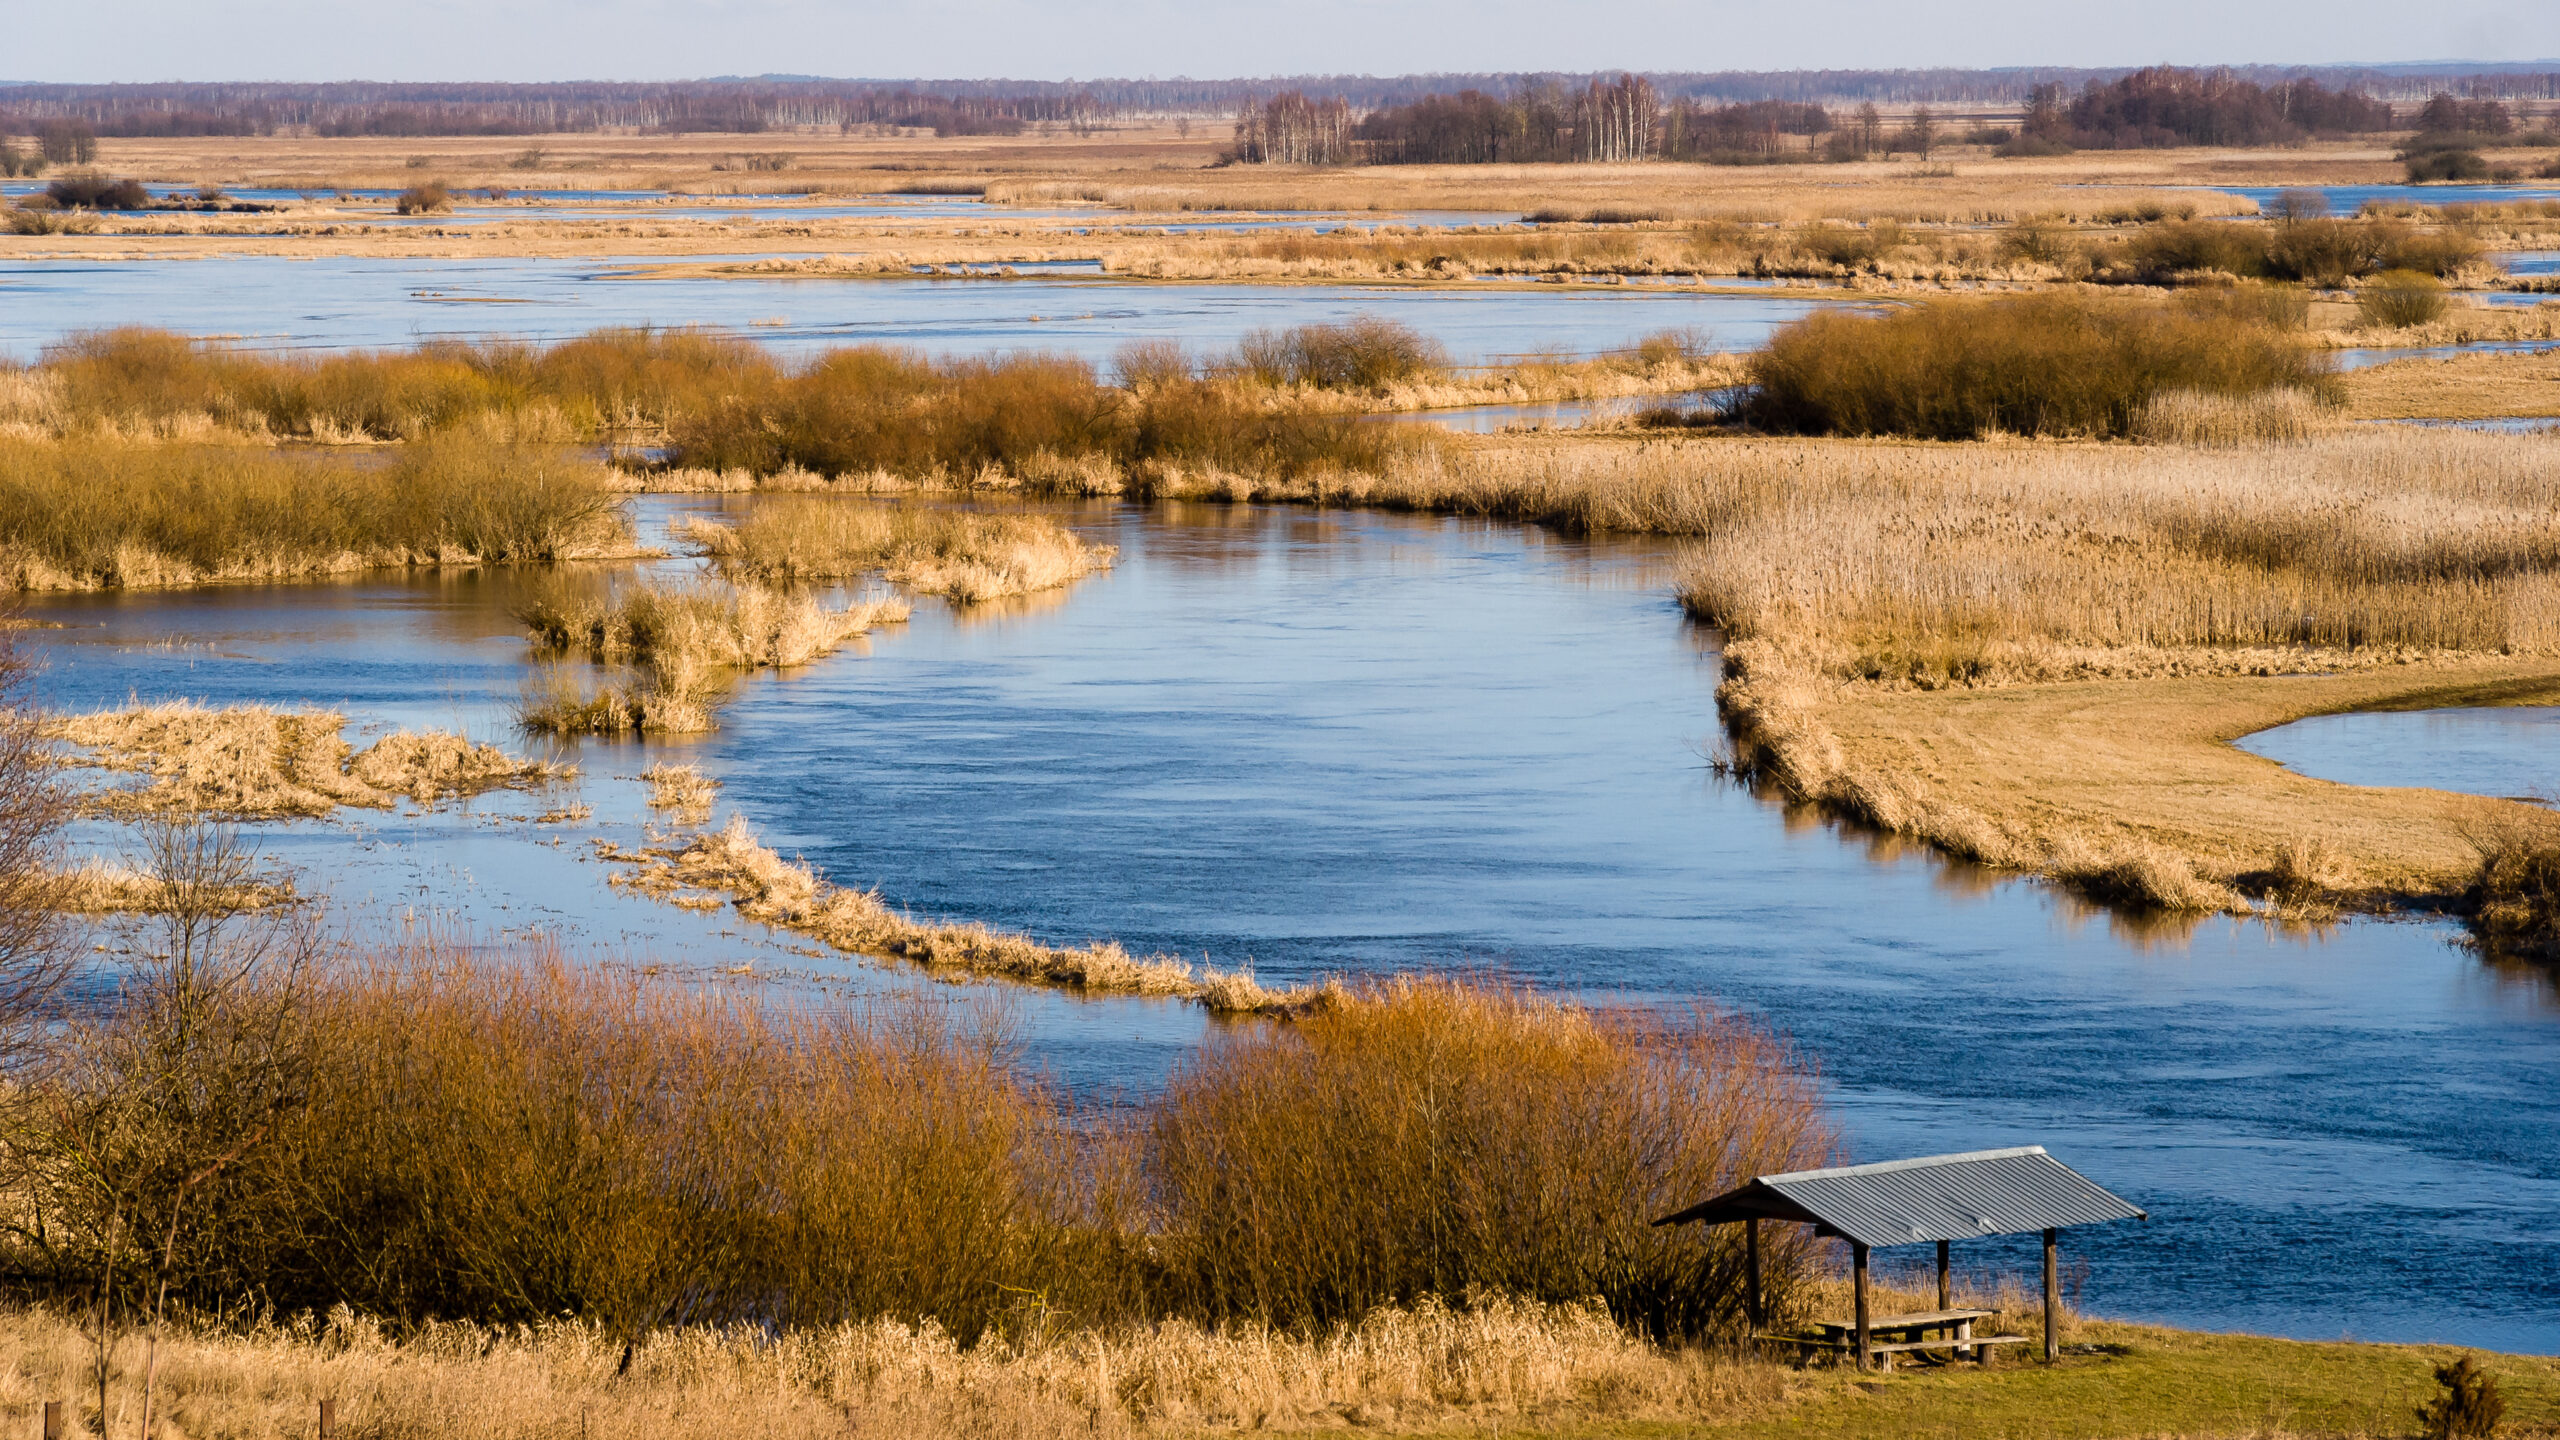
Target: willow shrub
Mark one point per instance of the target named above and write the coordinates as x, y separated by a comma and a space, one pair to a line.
2052, 364
1429, 1137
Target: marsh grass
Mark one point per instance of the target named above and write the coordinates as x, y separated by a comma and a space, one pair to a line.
733, 866
1496, 1363
255, 762
99, 887
964, 556
2049, 364
685, 641
104, 514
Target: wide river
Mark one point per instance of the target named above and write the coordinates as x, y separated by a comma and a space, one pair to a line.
278, 303
1362, 743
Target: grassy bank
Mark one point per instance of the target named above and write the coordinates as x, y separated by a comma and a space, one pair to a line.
1496, 1368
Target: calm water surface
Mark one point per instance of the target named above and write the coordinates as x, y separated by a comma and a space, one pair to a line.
1354, 742
341, 301
2508, 751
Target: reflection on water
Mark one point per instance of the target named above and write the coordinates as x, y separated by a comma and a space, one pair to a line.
1486, 419
342, 301
2511, 751
2348, 199
1351, 742
2363, 359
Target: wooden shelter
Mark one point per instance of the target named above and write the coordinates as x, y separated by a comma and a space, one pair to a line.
1941, 1198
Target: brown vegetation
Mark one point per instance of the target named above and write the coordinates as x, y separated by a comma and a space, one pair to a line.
420, 1135
730, 862
253, 762
95, 513
964, 556
2032, 365
688, 641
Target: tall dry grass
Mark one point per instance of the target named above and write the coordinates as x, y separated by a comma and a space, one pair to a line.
257, 762
686, 641
965, 556
730, 865
101, 513
1492, 1365
2051, 364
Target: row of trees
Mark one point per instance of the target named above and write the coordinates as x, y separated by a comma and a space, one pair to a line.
2165, 106
1624, 119
1627, 119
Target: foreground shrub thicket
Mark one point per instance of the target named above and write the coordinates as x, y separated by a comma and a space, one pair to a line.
423, 1134
2032, 365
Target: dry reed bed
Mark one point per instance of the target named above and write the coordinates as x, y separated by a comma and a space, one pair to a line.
730, 862
686, 641
961, 556
1498, 1364
256, 762
96, 887
101, 513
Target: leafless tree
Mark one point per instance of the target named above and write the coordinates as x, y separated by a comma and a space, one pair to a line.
34, 958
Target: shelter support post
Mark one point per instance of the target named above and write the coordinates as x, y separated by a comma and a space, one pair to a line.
1858, 1270
1751, 1272
1943, 1303
2052, 1304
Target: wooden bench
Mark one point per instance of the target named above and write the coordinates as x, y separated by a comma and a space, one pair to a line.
1891, 1335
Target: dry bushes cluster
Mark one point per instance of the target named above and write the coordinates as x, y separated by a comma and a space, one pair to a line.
102, 513
592, 1176
962, 555
684, 642
2049, 364
255, 762
2515, 902
722, 404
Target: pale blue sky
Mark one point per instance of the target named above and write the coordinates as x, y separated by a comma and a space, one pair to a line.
95, 40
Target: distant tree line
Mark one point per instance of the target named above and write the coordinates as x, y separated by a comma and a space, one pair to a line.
747, 105
2164, 105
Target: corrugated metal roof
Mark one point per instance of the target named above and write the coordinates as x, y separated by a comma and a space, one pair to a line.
1935, 1197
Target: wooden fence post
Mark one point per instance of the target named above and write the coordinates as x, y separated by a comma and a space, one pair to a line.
328, 1420
54, 1428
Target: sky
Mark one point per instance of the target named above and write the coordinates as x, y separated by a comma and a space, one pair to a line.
129, 40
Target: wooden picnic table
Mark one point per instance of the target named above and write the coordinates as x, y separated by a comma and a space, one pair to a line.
1891, 1335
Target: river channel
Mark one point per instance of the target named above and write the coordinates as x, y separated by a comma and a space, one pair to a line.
1361, 743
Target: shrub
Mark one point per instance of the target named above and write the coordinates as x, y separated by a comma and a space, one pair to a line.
2470, 1407
2036, 364
1362, 353
91, 190
2400, 298
424, 199
1421, 1137
2446, 165
2180, 247
2515, 897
